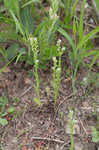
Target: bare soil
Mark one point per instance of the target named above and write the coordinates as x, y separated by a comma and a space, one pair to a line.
35, 128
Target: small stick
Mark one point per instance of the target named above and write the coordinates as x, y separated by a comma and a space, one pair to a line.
83, 127
64, 145
62, 103
88, 24
48, 139
25, 91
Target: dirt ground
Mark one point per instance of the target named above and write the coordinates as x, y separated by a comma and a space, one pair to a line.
35, 128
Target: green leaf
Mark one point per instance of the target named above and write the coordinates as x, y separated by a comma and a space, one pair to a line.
74, 28
12, 51
66, 35
87, 37
11, 110
9, 34
19, 26
74, 7
6, 20
80, 29
68, 5
4, 67
95, 136
30, 2
12, 5
94, 59
3, 122
97, 6
3, 101
3, 53
37, 100
22, 52
27, 20
3, 114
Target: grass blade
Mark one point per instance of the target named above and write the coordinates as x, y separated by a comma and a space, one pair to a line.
2, 69
18, 25
80, 29
74, 7
87, 37
12, 5
28, 3
65, 34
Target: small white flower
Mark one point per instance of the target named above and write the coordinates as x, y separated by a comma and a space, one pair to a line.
37, 61
58, 69
86, 5
54, 59
59, 41
85, 80
63, 48
35, 39
52, 15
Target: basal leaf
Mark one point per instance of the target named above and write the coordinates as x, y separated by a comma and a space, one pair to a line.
12, 51
27, 20
3, 122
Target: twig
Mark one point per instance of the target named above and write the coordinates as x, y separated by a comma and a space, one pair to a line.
65, 144
83, 126
48, 139
63, 102
90, 25
26, 91
69, 96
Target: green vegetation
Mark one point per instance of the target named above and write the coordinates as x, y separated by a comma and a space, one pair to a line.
29, 32
34, 45
5, 111
23, 21
95, 137
80, 49
57, 70
71, 122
